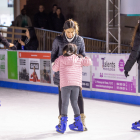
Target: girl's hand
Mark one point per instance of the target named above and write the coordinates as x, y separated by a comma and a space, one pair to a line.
21, 42
52, 63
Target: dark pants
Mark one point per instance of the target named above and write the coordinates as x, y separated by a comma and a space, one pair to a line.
80, 102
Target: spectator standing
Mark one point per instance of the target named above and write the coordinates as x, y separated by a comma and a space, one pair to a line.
40, 19
58, 20
23, 20
51, 17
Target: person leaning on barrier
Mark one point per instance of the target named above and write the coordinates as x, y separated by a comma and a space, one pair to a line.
5, 42
69, 35
134, 56
30, 42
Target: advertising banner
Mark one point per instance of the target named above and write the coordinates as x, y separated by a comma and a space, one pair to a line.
12, 65
108, 73
86, 75
130, 7
45, 71
34, 70
3, 65
35, 67
23, 69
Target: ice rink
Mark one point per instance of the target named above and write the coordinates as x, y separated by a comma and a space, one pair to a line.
26, 115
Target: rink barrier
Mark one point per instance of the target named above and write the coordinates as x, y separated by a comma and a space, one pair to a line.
130, 99
94, 80
30, 87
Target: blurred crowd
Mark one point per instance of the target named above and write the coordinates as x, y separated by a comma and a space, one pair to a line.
52, 21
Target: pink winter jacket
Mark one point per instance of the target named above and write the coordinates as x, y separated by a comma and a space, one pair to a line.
70, 69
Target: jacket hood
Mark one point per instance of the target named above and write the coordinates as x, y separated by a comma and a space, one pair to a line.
70, 60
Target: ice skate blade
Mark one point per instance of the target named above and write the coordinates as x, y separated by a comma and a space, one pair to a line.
77, 130
60, 132
135, 128
85, 129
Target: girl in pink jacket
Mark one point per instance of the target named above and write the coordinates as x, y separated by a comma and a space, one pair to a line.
70, 67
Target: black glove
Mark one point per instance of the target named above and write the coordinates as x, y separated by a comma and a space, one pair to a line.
126, 73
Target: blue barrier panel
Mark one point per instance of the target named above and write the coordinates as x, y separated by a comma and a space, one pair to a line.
30, 87
87, 94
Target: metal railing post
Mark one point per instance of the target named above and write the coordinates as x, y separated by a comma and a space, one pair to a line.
119, 28
44, 41
107, 26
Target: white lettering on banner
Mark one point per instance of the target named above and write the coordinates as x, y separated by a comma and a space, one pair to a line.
102, 86
45, 56
32, 65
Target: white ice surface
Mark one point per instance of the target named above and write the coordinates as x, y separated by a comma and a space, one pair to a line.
26, 115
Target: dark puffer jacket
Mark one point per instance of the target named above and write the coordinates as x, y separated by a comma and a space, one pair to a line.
135, 54
40, 20
57, 50
58, 23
